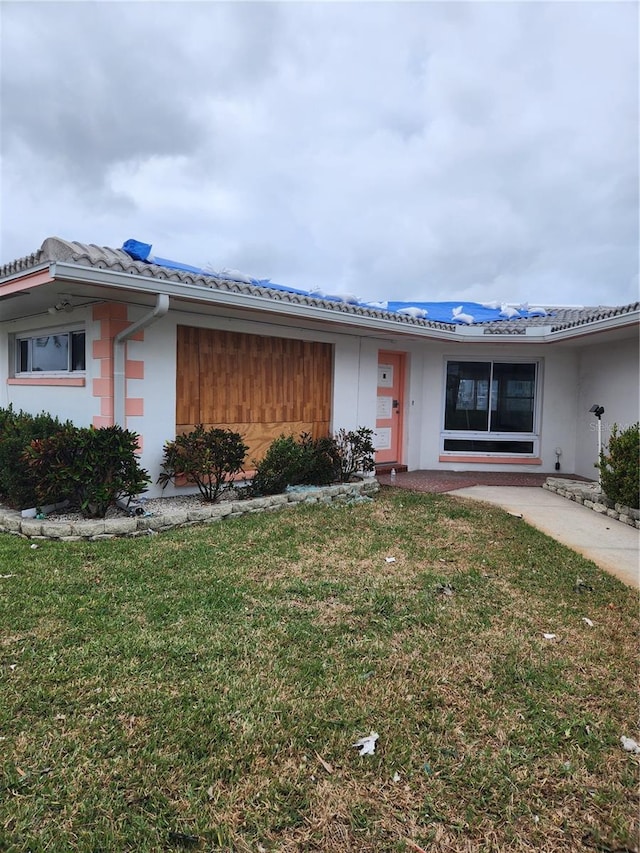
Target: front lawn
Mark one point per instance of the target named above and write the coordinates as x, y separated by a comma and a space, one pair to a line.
202, 689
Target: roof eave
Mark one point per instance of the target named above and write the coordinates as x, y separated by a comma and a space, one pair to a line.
62, 271
606, 324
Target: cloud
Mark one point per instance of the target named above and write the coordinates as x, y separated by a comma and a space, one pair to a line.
416, 150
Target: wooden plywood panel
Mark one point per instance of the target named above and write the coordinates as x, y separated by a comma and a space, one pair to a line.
188, 372
258, 436
258, 386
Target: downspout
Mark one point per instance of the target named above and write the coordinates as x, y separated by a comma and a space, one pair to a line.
161, 308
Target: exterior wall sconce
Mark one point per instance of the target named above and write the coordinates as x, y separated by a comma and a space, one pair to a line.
558, 452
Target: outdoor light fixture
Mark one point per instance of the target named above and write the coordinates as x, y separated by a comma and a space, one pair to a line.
598, 411
558, 453
64, 305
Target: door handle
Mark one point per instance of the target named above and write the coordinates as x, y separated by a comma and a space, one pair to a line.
396, 404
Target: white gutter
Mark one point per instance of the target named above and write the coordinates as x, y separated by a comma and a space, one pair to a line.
161, 308
283, 307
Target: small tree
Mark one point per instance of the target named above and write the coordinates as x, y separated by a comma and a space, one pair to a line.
620, 466
91, 468
354, 452
209, 458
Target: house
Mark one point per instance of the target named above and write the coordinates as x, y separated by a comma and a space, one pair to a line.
103, 336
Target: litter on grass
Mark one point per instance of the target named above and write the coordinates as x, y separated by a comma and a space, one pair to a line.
367, 745
587, 621
630, 745
33, 546
389, 559
444, 588
549, 636
328, 767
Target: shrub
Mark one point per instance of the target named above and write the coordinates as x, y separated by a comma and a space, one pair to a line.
17, 430
317, 461
313, 461
91, 468
209, 458
289, 462
280, 467
620, 467
354, 452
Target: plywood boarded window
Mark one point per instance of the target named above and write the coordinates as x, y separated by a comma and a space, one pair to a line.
258, 386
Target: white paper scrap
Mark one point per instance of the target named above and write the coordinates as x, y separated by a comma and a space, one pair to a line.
389, 559
630, 745
367, 745
549, 636
588, 621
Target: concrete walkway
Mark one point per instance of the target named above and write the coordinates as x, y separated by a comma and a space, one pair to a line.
612, 545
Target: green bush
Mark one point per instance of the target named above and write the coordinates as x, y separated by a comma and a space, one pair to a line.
280, 467
289, 462
209, 458
17, 430
91, 468
318, 461
354, 452
620, 466
312, 461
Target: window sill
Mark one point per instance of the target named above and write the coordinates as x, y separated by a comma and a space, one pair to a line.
485, 458
75, 381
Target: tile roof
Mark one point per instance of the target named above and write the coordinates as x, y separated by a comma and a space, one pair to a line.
55, 249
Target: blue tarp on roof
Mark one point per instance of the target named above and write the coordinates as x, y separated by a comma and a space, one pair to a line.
441, 312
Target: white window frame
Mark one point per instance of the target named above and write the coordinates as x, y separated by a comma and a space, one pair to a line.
487, 435
32, 335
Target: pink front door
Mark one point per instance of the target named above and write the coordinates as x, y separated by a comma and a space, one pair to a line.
388, 433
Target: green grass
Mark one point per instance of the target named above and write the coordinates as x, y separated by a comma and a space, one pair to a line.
202, 689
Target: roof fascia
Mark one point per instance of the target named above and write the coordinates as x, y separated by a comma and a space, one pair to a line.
25, 279
146, 284
189, 292
606, 324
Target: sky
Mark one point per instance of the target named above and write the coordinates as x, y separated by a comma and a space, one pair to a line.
393, 150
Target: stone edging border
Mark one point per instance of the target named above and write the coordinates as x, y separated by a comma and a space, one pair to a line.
591, 496
11, 521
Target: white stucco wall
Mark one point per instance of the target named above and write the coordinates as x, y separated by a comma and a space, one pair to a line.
65, 402
425, 403
607, 376
354, 383
572, 379
157, 389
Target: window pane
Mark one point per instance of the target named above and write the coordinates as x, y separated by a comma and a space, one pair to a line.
77, 351
512, 397
23, 356
467, 403
50, 353
472, 445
